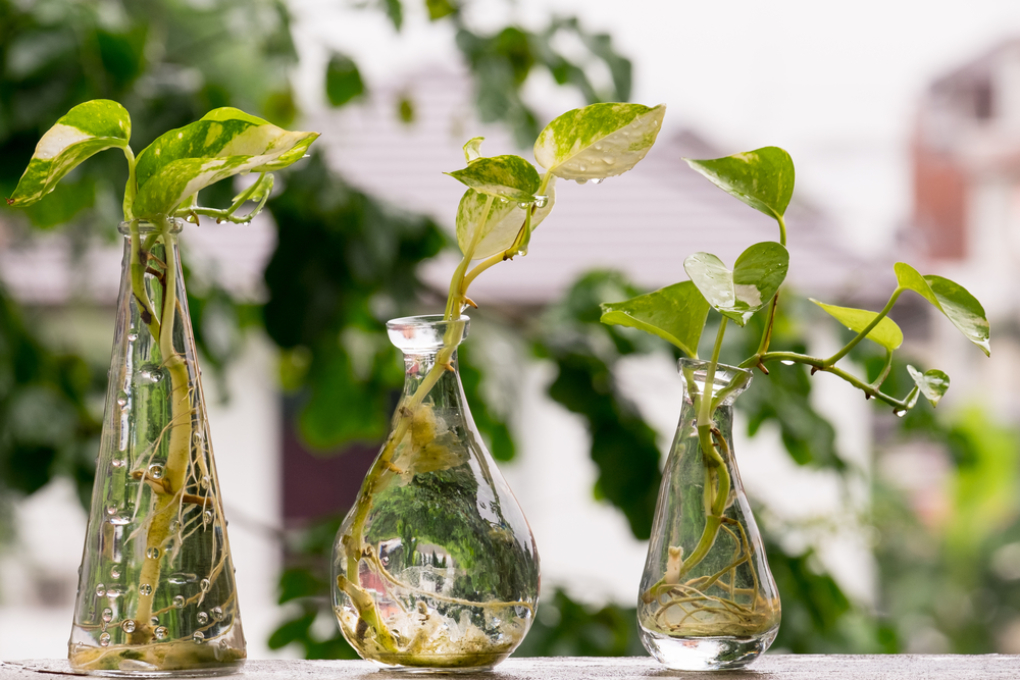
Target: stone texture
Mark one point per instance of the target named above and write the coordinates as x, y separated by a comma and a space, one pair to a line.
773, 666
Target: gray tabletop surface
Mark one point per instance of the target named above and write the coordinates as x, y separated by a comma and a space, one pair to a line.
793, 666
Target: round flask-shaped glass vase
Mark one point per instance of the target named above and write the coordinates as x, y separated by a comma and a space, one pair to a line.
708, 600
435, 566
156, 592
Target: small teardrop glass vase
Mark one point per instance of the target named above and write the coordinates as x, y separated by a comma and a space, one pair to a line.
707, 599
156, 593
435, 567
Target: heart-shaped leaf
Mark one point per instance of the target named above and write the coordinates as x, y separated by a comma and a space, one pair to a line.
755, 279
225, 142
84, 131
501, 227
508, 177
598, 141
763, 178
886, 333
933, 384
951, 299
675, 313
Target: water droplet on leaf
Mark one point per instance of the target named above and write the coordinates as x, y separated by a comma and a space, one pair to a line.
100, 590
161, 633
107, 615
128, 626
104, 639
145, 589
202, 618
179, 601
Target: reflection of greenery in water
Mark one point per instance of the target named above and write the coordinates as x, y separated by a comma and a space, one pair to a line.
441, 509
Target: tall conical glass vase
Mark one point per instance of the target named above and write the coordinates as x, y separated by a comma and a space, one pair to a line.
156, 592
708, 600
435, 566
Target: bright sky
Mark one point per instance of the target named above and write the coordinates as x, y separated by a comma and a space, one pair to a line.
836, 84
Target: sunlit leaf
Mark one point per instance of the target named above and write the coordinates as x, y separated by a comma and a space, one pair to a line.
933, 384
886, 333
598, 141
755, 279
506, 177
84, 131
501, 226
951, 299
763, 179
223, 143
675, 313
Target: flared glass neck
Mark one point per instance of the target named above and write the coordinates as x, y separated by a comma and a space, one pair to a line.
145, 227
426, 335
727, 382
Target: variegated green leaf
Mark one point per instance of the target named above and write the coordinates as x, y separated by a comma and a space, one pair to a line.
598, 141
763, 178
473, 149
933, 384
84, 131
755, 279
225, 142
886, 333
508, 177
951, 299
502, 225
675, 313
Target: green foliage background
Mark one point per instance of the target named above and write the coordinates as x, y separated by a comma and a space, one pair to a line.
346, 261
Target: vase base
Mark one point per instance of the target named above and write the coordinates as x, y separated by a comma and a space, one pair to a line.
706, 653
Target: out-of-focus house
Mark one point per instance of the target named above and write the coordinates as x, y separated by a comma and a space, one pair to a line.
966, 221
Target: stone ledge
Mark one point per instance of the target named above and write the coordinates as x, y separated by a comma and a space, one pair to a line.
791, 666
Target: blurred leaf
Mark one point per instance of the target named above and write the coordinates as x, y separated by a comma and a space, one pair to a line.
405, 110
565, 627
343, 79
439, 9
395, 11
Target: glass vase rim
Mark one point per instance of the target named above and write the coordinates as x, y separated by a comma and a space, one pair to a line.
425, 333
150, 227
724, 373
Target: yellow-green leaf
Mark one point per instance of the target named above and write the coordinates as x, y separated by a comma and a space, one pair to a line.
84, 131
506, 177
886, 333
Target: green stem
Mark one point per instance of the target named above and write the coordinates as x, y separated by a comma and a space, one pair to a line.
819, 365
131, 188
867, 329
766, 336
138, 251
716, 494
166, 503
